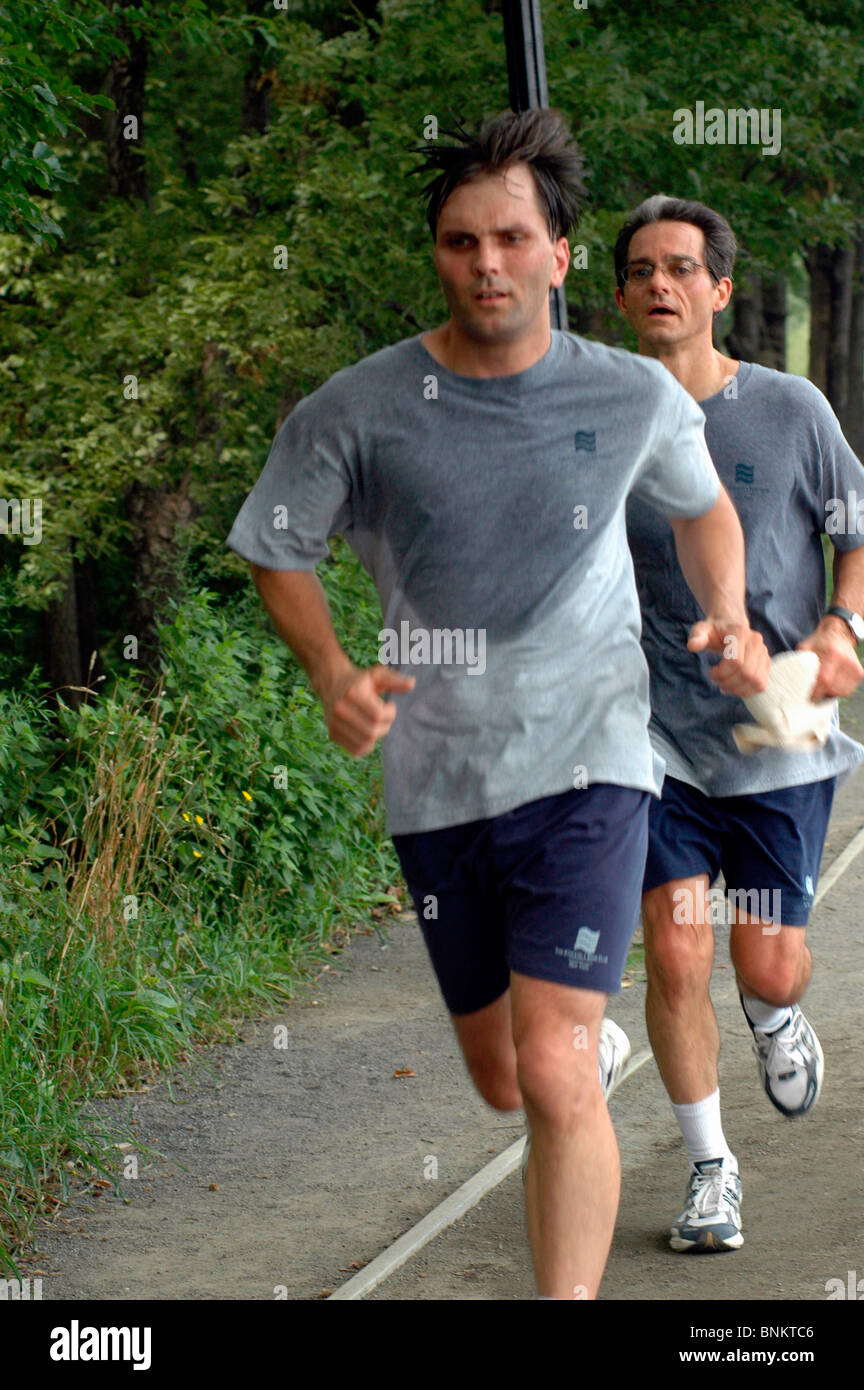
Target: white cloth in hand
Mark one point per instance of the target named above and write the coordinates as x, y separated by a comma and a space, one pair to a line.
786, 716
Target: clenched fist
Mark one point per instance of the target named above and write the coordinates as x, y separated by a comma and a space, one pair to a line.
744, 669
355, 713
840, 671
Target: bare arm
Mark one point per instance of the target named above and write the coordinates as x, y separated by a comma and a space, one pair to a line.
351, 697
840, 671
711, 554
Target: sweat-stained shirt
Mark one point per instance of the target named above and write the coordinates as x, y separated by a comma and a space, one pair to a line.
490, 512
782, 457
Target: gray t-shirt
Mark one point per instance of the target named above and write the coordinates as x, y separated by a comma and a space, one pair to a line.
781, 455
461, 496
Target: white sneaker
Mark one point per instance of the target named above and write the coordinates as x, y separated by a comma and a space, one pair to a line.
791, 1064
613, 1052
711, 1219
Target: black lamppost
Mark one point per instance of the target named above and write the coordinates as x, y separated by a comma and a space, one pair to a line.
526, 72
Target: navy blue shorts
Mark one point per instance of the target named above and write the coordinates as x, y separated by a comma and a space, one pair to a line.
768, 845
551, 890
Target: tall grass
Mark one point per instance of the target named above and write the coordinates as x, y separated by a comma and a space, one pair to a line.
170, 858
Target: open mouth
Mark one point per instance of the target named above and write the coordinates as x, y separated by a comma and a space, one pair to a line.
659, 310
490, 295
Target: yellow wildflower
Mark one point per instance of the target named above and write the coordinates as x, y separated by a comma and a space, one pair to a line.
185, 815
197, 853
200, 820
247, 796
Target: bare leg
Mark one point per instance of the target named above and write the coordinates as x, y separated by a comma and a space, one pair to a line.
678, 1010
573, 1178
486, 1039
773, 964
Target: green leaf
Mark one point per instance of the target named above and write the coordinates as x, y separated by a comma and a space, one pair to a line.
35, 977
163, 1003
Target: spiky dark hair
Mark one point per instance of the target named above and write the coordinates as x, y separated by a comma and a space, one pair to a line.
539, 138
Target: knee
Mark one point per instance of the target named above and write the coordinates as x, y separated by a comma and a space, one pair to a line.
560, 1084
773, 975
678, 953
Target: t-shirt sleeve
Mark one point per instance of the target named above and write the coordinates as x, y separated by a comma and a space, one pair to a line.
842, 482
304, 492
678, 477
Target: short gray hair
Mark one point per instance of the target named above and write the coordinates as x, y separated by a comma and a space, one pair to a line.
720, 243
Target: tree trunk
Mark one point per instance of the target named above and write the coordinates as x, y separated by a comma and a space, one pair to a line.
86, 599
60, 641
127, 171
255, 111
343, 18
257, 81
837, 391
744, 336
855, 389
772, 332
156, 514
818, 261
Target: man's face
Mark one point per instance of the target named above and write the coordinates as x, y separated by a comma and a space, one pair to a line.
669, 308
495, 258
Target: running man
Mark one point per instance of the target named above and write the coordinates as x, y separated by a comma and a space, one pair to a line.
762, 820
480, 472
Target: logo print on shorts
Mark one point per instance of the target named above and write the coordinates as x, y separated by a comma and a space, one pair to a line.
586, 941
583, 955
587, 440
744, 473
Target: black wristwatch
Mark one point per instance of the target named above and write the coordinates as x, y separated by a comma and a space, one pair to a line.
855, 622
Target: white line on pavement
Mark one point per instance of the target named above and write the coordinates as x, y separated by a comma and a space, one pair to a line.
840, 865
450, 1210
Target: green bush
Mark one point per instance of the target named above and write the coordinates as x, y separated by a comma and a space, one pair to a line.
169, 857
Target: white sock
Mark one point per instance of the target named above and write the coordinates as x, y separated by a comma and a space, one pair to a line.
702, 1128
767, 1017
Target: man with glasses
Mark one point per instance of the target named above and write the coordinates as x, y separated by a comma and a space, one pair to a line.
762, 820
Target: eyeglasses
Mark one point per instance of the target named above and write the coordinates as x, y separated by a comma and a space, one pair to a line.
674, 268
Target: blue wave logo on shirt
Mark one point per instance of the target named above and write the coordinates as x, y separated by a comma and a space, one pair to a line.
587, 440
744, 473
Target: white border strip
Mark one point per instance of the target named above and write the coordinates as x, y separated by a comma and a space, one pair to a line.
470, 1193
448, 1211
840, 865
